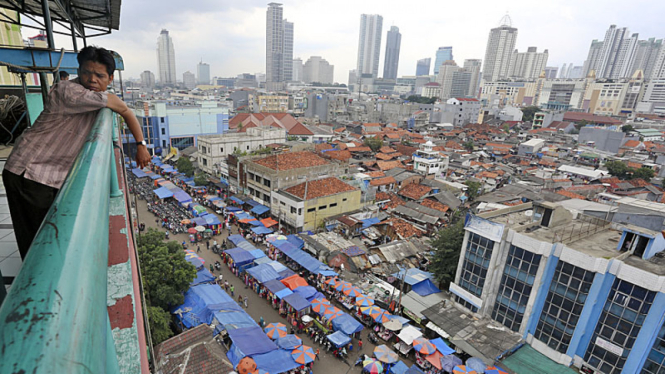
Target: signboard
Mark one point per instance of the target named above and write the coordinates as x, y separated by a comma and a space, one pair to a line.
610, 347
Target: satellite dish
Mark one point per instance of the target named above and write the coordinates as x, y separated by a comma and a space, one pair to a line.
528, 213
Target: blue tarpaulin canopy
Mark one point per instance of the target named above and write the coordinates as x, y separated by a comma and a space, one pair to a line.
278, 361
425, 288
289, 341
399, 368
236, 200
194, 260
327, 273
442, 347
296, 301
244, 215
203, 276
251, 341
155, 176
200, 303
257, 223
369, 222
338, 338
233, 209
296, 241
278, 266
182, 196
231, 316
251, 202
235, 239
260, 230
317, 295
284, 246
283, 293
262, 260
263, 273
274, 286
258, 253
163, 193
346, 324
239, 255
305, 291
260, 209
302, 258
139, 173
285, 273
199, 221
413, 275
212, 219
414, 370
246, 246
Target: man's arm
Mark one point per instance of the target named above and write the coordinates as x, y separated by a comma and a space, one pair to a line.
115, 104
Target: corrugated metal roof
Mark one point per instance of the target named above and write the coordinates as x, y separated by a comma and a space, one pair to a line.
97, 13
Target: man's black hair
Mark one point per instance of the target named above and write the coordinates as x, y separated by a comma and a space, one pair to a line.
97, 54
63, 74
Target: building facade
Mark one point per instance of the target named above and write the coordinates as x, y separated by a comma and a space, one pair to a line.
148, 80
279, 48
189, 80
203, 73
317, 69
423, 67
617, 53
369, 45
499, 50
528, 65
391, 62
166, 59
443, 54
297, 69
465, 110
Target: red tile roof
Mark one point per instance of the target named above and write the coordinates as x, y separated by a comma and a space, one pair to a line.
386, 149
319, 188
404, 229
360, 149
631, 143
300, 129
465, 99
433, 204
591, 118
383, 156
338, 155
291, 160
376, 174
382, 181
387, 165
322, 147
415, 191
571, 195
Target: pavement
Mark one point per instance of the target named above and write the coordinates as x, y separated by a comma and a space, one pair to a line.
259, 307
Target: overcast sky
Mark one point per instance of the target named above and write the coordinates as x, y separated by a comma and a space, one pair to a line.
230, 35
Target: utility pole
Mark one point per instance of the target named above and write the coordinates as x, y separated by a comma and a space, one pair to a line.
401, 290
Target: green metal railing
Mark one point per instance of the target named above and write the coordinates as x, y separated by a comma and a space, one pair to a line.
55, 319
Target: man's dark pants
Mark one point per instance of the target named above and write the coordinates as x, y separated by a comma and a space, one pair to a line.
29, 202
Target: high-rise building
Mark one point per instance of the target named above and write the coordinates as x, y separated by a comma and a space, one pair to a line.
659, 66
473, 67
279, 48
445, 78
646, 56
422, 67
147, 80
393, 42
551, 72
189, 80
318, 70
297, 70
617, 53
166, 58
203, 73
591, 62
563, 73
527, 65
575, 72
443, 54
369, 45
500, 47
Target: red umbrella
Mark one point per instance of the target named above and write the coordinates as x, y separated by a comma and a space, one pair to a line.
331, 281
303, 354
318, 304
247, 366
423, 346
192, 230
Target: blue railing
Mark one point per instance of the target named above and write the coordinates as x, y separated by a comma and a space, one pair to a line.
55, 319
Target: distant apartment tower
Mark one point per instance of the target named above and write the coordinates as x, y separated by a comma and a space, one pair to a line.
659, 68
297, 69
591, 62
203, 73
422, 67
646, 56
318, 70
616, 54
551, 72
527, 65
147, 79
189, 80
443, 54
445, 78
369, 45
166, 58
473, 67
279, 48
393, 42
500, 47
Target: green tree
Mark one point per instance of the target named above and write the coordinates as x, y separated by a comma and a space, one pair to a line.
166, 273
201, 180
185, 166
447, 245
617, 169
506, 128
421, 99
468, 145
642, 173
474, 189
528, 112
160, 321
375, 143
627, 128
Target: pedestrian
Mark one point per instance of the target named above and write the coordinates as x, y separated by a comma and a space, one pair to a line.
239, 299
226, 286
245, 300
211, 268
350, 347
208, 244
232, 289
317, 354
360, 345
198, 249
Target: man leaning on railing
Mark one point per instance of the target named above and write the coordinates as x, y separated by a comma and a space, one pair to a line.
43, 155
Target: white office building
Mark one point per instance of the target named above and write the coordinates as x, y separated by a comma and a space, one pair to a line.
369, 44
498, 54
166, 59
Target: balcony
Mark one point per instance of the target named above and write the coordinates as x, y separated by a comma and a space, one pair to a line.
76, 305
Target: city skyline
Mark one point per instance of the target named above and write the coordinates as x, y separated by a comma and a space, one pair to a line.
331, 30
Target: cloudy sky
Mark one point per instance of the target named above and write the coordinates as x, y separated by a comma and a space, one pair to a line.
230, 35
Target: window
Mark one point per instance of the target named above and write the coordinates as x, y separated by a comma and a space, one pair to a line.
251, 191
266, 197
163, 143
163, 131
475, 264
161, 119
322, 207
300, 211
266, 182
515, 287
274, 200
656, 360
248, 148
624, 312
203, 150
221, 149
333, 205
344, 199
205, 162
293, 210
282, 203
310, 210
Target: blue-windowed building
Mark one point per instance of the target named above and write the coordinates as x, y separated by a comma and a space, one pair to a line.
581, 290
171, 124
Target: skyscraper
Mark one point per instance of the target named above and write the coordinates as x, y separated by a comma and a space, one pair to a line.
445, 77
473, 66
500, 47
147, 79
551, 72
529, 64
443, 54
203, 73
297, 69
646, 55
369, 45
591, 62
393, 41
422, 67
166, 58
318, 70
189, 80
279, 48
617, 53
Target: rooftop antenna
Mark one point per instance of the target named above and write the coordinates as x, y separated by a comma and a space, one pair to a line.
506, 21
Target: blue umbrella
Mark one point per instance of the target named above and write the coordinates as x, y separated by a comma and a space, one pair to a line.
385, 354
448, 362
476, 364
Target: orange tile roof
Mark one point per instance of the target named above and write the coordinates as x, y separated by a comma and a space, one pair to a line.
387, 165
322, 147
403, 228
360, 149
631, 143
634, 165
376, 174
415, 191
383, 156
291, 160
386, 149
571, 195
382, 181
392, 136
338, 155
433, 204
372, 124
319, 188
395, 200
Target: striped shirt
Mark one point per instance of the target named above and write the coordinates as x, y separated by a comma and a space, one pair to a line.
47, 150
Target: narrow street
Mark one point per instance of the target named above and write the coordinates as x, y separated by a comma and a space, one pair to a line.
258, 307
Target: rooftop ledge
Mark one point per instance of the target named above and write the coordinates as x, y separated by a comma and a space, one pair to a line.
76, 306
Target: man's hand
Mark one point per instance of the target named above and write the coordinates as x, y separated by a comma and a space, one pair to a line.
142, 156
